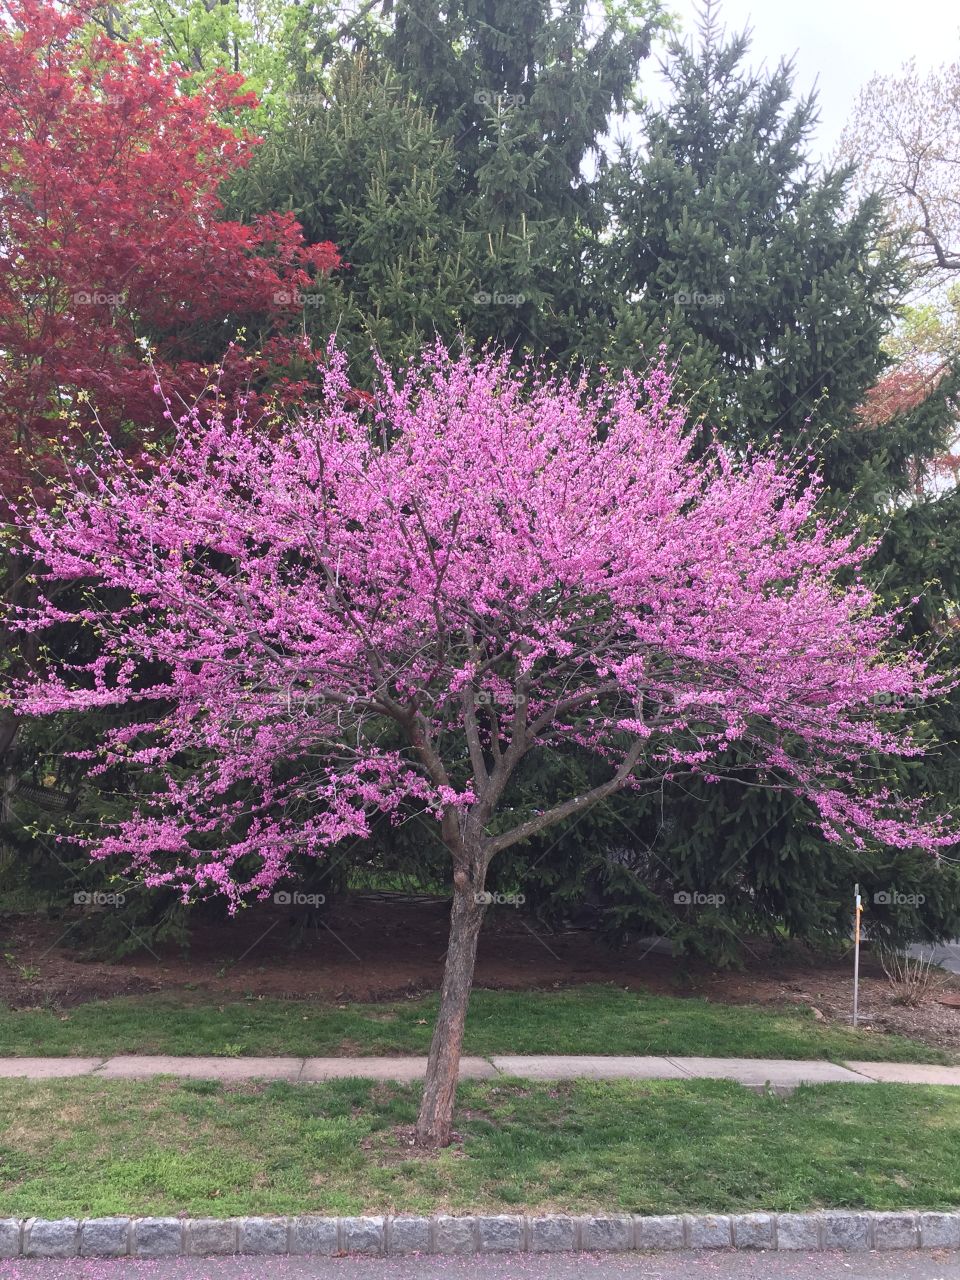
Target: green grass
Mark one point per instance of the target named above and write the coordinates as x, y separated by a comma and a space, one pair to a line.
584, 1020
92, 1147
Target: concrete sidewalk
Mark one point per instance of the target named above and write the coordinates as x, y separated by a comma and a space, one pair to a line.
781, 1074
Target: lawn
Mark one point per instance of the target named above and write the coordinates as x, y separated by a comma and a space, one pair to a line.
92, 1147
605, 1020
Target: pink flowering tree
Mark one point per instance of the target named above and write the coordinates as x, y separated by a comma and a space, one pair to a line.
390, 606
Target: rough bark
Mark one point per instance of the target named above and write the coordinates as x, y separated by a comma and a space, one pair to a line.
440, 1087
8, 776
16, 654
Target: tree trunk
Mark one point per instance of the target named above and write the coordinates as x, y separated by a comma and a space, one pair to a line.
8, 775
443, 1067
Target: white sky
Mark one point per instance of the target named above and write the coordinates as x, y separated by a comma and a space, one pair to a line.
839, 44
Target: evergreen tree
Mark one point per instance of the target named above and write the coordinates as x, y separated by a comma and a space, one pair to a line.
527, 91
544, 75
773, 298
451, 156
730, 248
358, 153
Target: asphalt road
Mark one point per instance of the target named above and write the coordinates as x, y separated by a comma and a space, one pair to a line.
947, 956
930, 1265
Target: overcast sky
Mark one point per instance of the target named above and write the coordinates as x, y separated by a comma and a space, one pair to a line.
840, 44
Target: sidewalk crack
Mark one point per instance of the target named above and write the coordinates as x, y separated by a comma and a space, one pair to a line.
675, 1062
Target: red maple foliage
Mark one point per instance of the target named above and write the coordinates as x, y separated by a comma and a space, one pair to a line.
899, 391
112, 235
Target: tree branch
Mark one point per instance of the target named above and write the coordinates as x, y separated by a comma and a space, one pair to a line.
569, 807
947, 260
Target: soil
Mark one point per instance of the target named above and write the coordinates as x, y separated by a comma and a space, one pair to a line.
377, 947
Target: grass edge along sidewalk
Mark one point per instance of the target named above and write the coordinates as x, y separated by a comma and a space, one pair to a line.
582, 1020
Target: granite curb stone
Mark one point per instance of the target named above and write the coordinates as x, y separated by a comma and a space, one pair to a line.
51, 1238
896, 1230
606, 1235
753, 1231
157, 1238
264, 1235
313, 1234
11, 1237
707, 1231
454, 1234
409, 1235
211, 1236
500, 1233
799, 1230
105, 1237
940, 1230
554, 1233
846, 1230
363, 1235
660, 1232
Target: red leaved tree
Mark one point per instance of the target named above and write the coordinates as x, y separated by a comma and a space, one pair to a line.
111, 234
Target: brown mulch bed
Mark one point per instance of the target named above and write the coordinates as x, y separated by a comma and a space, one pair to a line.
378, 950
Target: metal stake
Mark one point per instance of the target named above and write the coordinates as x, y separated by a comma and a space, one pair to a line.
857, 912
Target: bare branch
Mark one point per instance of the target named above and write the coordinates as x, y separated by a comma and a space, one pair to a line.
569, 807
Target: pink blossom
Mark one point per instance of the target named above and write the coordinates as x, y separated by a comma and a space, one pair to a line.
343, 619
